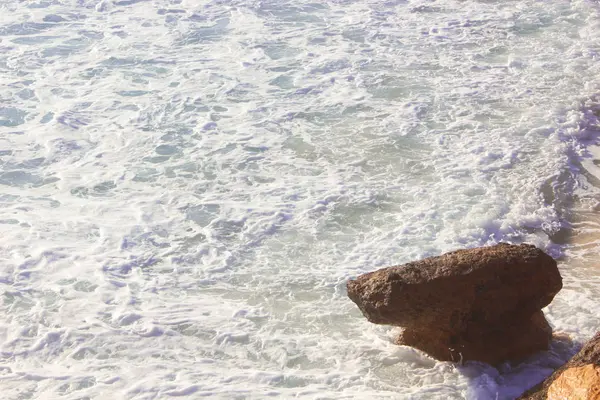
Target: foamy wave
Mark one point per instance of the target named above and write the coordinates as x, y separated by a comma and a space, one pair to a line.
187, 185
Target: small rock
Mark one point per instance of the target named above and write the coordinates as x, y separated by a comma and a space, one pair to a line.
578, 379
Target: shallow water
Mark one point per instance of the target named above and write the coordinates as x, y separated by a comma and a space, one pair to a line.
186, 186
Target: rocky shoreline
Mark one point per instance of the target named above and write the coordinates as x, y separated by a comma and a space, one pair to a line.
481, 304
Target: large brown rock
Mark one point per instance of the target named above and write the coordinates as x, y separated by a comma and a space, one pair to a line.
578, 379
482, 285
477, 304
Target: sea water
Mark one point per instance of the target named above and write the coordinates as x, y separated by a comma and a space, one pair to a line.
187, 185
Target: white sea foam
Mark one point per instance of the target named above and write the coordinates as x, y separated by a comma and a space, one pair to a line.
186, 186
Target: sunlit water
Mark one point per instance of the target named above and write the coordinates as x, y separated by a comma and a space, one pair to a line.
187, 185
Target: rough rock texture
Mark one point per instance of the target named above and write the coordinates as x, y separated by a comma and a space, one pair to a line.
482, 285
478, 304
492, 344
579, 379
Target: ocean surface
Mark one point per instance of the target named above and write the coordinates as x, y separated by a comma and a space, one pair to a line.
187, 185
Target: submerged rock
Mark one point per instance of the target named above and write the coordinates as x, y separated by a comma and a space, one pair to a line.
579, 379
477, 304
513, 339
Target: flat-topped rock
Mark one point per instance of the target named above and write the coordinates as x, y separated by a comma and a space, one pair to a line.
482, 285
